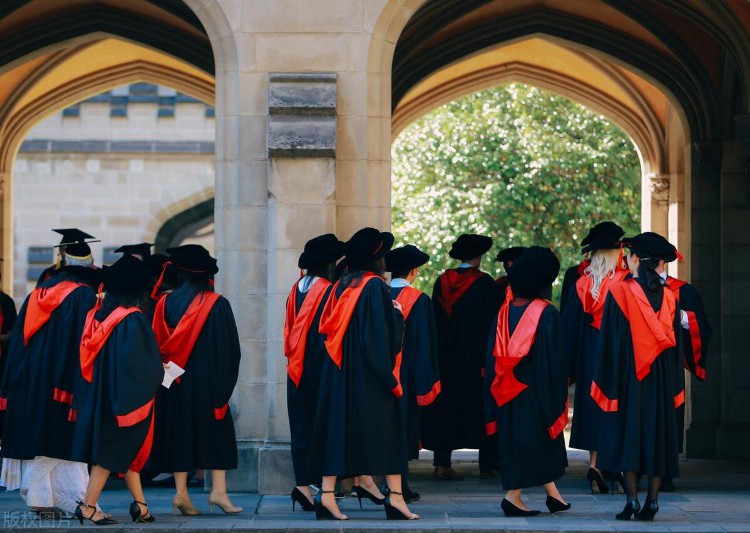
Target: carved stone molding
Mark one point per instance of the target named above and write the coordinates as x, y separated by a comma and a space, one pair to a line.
659, 186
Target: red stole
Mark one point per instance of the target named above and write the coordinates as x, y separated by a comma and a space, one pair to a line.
675, 285
176, 344
337, 314
652, 333
454, 284
95, 335
298, 324
407, 297
42, 302
582, 266
591, 306
509, 349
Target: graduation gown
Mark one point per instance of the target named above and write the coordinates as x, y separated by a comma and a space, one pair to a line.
454, 420
420, 377
359, 420
637, 386
303, 374
569, 280
39, 379
115, 410
8, 317
581, 321
533, 394
194, 426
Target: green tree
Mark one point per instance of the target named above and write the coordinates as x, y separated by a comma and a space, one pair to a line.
526, 166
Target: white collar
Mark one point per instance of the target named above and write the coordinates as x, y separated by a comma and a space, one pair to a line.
398, 283
663, 275
465, 265
306, 283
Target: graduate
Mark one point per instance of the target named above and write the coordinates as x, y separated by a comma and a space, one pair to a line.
420, 376
582, 319
305, 351
195, 330
507, 257
696, 334
466, 302
576, 271
121, 370
69, 236
526, 393
8, 317
359, 422
37, 388
638, 375
141, 251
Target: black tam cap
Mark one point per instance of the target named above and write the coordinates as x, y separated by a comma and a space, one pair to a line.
193, 259
127, 275
320, 251
405, 258
533, 272
366, 246
143, 249
651, 245
469, 246
604, 236
75, 242
510, 254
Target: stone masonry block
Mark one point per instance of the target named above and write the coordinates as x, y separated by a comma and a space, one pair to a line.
275, 469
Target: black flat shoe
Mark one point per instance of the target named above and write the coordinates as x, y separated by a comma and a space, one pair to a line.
322, 512
595, 478
299, 497
364, 493
650, 508
555, 506
392, 513
511, 510
137, 515
104, 521
631, 508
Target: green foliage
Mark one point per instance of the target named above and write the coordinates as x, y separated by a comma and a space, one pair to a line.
520, 164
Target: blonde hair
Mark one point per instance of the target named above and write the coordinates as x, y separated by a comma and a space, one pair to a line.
603, 264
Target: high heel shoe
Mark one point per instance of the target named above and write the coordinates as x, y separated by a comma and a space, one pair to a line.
555, 506
226, 506
364, 493
631, 508
392, 513
511, 510
299, 497
137, 515
322, 512
649, 510
185, 508
104, 521
595, 478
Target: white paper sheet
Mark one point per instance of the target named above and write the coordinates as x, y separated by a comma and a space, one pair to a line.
171, 372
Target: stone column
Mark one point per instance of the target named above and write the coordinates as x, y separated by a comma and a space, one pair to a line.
6, 236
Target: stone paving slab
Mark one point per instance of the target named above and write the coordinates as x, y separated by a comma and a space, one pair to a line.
712, 496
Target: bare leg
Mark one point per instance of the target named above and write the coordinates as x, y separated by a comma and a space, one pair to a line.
304, 489
180, 485
97, 480
654, 483
133, 482
328, 499
395, 497
219, 495
367, 483
551, 490
514, 497
592, 459
631, 480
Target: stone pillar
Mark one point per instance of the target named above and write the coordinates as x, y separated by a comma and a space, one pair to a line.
706, 276
659, 208
6, 236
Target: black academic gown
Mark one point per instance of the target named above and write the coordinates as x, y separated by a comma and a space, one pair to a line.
568, 284
419, 366
127, 373
8, 310
454, 420
39, 378
359, 421
190, 434
529, 456
641, 435
302, 400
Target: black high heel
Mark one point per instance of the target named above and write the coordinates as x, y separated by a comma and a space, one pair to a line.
322, 512
105, 521
364, 493
631, 508
650, 508
137, 515
391, 513
595, 477
511, 510
555, 506
299, 497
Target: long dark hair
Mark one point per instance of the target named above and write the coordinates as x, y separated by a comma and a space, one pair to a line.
113, 300
352, 278
327, 271
652, 282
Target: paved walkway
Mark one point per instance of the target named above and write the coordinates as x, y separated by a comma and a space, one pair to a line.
712, 496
